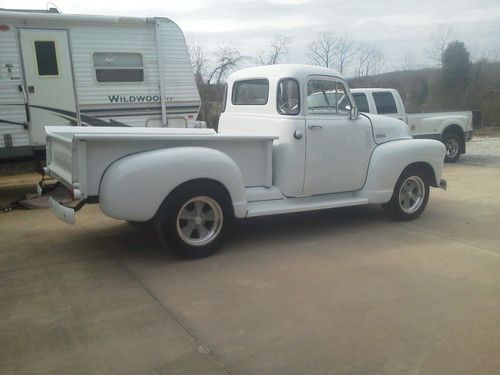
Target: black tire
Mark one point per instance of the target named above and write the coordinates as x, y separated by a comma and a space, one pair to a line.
452, 142
172, 229
395, 208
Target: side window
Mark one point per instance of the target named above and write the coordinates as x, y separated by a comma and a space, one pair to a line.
329, 97
361, 102
46, 58
118, 67
250, 92
385, 102
288, 99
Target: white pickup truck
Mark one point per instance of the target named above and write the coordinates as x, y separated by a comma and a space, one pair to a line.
451, 128
277, 151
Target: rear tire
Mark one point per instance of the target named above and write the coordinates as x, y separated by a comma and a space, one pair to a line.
193, 220
452, 142
410, 195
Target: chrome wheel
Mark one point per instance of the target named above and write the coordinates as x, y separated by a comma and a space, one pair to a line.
451, 148
411, 194
199, 221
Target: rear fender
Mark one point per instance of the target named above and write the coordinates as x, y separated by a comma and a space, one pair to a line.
134, 187
390, 159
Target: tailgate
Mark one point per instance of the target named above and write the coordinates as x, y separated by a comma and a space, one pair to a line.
63, 157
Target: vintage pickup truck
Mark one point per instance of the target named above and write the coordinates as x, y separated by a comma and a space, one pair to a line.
276, 151
451, 128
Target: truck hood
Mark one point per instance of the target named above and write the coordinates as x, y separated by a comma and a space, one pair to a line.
387, 129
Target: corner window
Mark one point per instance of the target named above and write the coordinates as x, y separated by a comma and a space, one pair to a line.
118, 67
46, 58
361, 102
288, 100
385, 102
250, 92
327, 97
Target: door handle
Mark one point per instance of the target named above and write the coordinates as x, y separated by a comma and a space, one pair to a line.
314, 126
297, 134
31, 89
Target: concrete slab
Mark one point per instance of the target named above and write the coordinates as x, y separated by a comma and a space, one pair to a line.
343, 291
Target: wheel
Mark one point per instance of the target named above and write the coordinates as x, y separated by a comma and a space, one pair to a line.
452, 142
193, 220
410, 195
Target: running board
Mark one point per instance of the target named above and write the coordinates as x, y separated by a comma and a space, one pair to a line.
289, 205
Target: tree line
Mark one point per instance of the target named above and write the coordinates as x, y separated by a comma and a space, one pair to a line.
461, 79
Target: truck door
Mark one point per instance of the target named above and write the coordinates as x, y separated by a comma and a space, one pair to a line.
338, 149
48, 80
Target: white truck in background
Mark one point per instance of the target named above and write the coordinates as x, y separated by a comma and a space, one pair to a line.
451, 128
279, 150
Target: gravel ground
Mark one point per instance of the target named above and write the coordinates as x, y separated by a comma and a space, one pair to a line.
483, 151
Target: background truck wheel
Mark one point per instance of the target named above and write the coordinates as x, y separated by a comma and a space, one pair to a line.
410, 195
452, 142
193, 220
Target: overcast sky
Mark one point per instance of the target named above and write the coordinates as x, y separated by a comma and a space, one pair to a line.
398, 27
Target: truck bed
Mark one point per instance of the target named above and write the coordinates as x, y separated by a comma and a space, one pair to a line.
79, 156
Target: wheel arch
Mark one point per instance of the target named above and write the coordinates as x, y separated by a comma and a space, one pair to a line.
390, 159
134, 187
458, 130
427, 169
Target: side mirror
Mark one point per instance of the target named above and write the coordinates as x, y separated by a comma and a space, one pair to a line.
354, 113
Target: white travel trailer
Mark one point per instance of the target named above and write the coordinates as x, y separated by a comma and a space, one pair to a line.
83, 70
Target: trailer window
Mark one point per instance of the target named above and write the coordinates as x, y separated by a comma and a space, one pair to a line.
361, 102
385, 102
251, 92
288, 101
118, 67
46, 58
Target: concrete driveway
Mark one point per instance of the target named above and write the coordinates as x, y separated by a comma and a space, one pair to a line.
333, 292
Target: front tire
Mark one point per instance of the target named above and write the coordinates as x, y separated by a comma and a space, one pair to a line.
410, 195
452, 142
193, 220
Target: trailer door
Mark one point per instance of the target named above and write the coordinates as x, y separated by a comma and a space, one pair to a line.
48, 80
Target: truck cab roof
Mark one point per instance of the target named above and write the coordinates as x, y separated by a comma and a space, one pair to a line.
278, 71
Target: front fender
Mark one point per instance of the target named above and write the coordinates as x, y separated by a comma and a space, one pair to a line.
134, 187
390, 159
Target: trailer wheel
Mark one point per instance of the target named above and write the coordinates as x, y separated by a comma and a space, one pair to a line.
452, 142
192, 221
410, 195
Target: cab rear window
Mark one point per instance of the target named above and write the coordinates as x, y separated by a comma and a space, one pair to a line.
361, 102
250, 92
385, 102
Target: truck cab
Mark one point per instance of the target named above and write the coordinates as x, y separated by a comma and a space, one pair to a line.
312, 112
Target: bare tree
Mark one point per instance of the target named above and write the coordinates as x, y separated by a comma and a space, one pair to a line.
277, 53
439, 41
369, 60
409, 61
226, 59
199, 59
322, 51
344, 50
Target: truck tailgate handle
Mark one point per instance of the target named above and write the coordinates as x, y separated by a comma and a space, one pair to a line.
314, 126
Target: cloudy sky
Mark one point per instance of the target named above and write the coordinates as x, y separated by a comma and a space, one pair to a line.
400, 28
